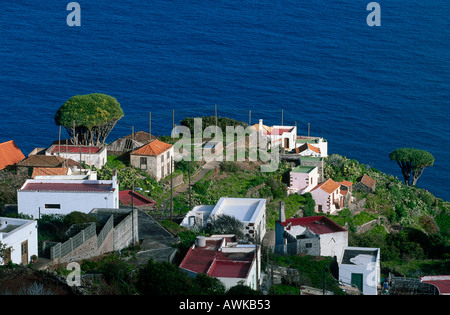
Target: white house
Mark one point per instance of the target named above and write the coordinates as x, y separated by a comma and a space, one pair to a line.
220, 256
154, 158
303, 179
328, 197
53, 196
360, 266
308, 149
250, 211
317, 235
20, 239
284, 136
90, 155
311, 146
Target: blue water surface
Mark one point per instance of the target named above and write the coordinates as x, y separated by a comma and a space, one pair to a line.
367, 90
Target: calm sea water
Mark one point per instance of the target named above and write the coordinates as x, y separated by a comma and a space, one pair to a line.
367, 90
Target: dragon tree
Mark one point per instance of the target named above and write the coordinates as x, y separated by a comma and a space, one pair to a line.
412, 162
89, 118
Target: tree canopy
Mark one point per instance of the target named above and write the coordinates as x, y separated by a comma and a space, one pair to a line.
412, 162
89, 118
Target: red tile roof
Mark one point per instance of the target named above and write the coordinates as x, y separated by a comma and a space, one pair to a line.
329, 186
307, 146
75, 149
47, 161
368, 181
49, 171
317, 224
346, 183
138, 200
67, 187
10, 154
441, 282
216, 263
155, 147
279, 131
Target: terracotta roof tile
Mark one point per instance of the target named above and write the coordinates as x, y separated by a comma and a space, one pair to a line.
49, 171
279, 131
46, 161
317, 224
155, 147
140, 136
137, 199
307, 146
346, 183
74, 149
368, 181
10, 154
329, 186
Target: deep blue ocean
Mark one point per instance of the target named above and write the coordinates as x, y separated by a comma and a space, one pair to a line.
367, 90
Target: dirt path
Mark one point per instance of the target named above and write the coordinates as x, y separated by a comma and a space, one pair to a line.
205, 169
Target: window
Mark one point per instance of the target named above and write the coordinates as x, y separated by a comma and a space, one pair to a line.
308, 245
162, 159
143, 163
52, 206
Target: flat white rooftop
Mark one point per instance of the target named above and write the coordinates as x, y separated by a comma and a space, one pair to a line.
242, 209
10, 225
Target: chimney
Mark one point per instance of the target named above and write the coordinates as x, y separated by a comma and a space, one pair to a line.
115, 181
260, 126
282, 215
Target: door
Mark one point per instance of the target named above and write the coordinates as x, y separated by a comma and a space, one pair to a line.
24, 252
286, 143
357, 279
7, 256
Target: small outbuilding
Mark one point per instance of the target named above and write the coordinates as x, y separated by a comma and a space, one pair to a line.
360, 266
20, 239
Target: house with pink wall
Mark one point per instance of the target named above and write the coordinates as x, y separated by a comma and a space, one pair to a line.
303, 179
328, 197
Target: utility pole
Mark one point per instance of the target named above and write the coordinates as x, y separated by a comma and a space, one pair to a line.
282, 117
216, 116
257, 263
189, 177
171, 192
173, 121
59, 140
150, 126
308, 129
249, 117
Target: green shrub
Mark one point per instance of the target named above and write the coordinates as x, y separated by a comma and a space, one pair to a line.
229, 167
77, 217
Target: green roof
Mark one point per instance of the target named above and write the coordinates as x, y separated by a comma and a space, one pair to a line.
311, 158
306, 141
303, 169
